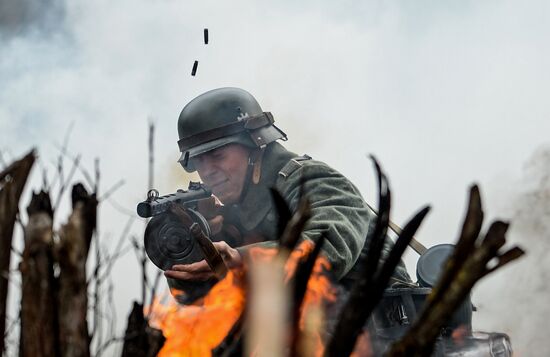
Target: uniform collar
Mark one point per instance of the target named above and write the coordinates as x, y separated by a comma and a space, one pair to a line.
257, 201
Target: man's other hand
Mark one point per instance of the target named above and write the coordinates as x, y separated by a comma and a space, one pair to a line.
200, 271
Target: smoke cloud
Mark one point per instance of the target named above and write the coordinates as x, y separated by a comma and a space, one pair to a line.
25, 17
443, 94
514, 300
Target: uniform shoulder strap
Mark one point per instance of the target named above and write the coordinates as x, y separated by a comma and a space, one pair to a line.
292, 165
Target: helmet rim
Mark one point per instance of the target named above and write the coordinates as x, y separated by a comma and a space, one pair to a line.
209, 146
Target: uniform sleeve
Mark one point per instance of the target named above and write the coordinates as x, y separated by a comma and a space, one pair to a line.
337, 210
340, 212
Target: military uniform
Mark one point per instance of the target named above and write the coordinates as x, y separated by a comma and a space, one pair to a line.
232, 115
337, 209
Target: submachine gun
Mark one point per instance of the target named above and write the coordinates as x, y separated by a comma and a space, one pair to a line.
168, 240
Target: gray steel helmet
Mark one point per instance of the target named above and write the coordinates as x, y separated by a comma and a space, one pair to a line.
222, 116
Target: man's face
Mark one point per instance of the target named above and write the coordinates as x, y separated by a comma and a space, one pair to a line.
224, 171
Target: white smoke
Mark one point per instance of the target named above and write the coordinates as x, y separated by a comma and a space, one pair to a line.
515, 299
444, 94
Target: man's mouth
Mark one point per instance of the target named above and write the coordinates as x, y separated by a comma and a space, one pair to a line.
218, 184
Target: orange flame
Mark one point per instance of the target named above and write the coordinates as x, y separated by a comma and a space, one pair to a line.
363, 347
194, 330
459, 334
319, 291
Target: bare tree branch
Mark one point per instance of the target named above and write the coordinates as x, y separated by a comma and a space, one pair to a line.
154, 292
112, 190
97, 176
117, 206
65, 183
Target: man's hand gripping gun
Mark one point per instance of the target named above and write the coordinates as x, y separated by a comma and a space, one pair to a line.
177, 232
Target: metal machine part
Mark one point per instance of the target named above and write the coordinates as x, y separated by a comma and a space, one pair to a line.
479, 344
430, 264
167, 239
429, 268
400, 307
155, 205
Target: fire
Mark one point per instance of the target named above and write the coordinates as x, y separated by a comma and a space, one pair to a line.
319, 291
459, 334
319, 286
194, 330
363, 347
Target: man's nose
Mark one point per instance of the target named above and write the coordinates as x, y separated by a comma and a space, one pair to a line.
206, 168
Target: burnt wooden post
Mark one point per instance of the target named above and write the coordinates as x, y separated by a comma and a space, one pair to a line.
38, 307
12, 182
141, 340
474, 257
72, 253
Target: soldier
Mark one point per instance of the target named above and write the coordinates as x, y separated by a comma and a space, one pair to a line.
232, 144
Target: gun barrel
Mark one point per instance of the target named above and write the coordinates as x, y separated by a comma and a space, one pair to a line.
157, 205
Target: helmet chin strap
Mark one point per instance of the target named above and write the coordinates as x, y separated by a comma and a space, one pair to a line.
256, 164
254, 170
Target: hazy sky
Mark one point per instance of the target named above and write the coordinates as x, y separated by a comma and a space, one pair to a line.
443, 93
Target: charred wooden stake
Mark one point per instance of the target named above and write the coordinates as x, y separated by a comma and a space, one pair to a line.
12, 182
385, 272
233, 343
289, 228
72, 254
141, 340
38, 304
369, 289
466, 243
345, 335
468, 263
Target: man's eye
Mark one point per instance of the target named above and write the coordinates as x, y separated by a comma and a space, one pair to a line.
195, 161
217, 155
